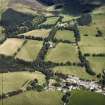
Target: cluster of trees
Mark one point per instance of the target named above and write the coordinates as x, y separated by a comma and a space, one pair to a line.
103, 78
2, 35
8, 63
99, 33
66, 97
68, 63
76, 33
25, 26
9, 94
61, 75
85, 19
27, 37
86, 63
95, 55
29, 25
34, 85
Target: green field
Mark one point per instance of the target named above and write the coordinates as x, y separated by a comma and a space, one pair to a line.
37, 33
29, 51
74, 71
81, 97
67, 17
10, 46
99, 20
62, 53
35, 98
65, 35
78, 97
16, 80
50, 21
97, 63
91, 44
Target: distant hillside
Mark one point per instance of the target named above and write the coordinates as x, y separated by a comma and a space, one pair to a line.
94, 2
33, 4
21, 5
79, 6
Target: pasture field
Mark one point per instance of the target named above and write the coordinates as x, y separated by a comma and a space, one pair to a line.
99, 20
92, 44
67, 17
78, 97
74, 71
97, 63
89, 30
3, 6
37, 33
83, 97
29, 51
93, 50
15, 80
35, 98
10, 46
65, 35
50, 21
62, 53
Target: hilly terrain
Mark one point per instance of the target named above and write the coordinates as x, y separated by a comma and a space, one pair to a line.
52, 52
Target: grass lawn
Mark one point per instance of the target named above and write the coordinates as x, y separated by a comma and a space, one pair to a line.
81, 97
38, 33
65, 35
62, 53
30, 50
97, 63
10, 46
75, 71
15, 80
35, 98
